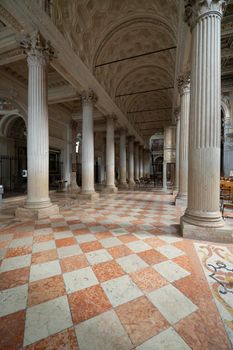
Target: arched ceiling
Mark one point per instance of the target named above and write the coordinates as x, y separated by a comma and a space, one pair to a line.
130, 46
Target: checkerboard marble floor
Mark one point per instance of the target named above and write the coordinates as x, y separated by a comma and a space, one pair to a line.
109, 275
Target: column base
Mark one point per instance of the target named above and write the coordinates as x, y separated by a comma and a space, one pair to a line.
73, 189
88, 195
175, 191
131, 185
222, 234
110, 189
123, 185
36, 213
181, 200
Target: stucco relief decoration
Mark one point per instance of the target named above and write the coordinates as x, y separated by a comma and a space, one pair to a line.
38, 50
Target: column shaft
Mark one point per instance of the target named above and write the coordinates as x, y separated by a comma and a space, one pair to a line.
123, 158
131, 162
87, 144
164, 176
140, 161
38, 203
204, 129
176, 188
74, 130
136, 161
110, 156
184, 88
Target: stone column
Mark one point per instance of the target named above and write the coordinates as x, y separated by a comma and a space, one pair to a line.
73, 186
123, 183
136, 161
103, 159
140, 161
184, 89
147, 160
177, 115
165, 176
202, 218
131, 162
110, 156
88, 190
38, 203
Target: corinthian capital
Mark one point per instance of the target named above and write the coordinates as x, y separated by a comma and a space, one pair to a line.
195, 9
88, 97
184, 83
38, 50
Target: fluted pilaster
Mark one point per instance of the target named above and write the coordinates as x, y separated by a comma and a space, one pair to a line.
184, 89
204, 144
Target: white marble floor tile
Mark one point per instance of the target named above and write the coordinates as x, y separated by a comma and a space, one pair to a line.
43, 231
121, 290
13, 299
40, 247
103, 332
131, 263
71, 250
16, 262
143, 234
96, 229
63, 234
44, 270
170, 251
77, 226
138, 246
98, 256
46, 319
79, 279
20, 242
171, 271
166, 340
170, 239
6, 237
119, 231
89, 237
172, 304
110, 242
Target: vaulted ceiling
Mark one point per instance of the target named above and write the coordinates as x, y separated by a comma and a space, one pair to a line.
128, 46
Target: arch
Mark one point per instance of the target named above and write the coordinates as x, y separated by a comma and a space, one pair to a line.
132, 21
225, 109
